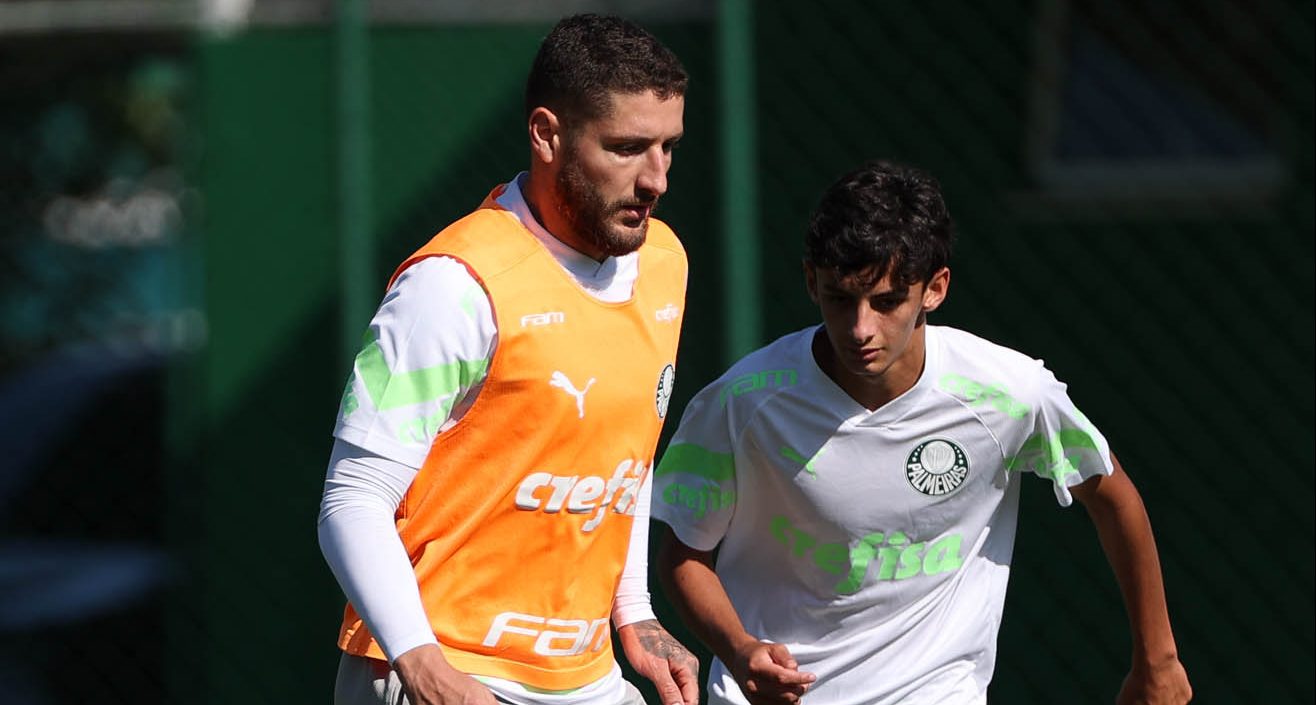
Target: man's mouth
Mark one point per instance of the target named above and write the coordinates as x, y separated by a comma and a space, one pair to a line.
635, 214
867, 354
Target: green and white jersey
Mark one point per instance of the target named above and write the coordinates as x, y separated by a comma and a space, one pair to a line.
421, 364
875, 545
428, 347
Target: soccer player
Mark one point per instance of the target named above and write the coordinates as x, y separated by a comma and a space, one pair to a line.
842, 502
486, 504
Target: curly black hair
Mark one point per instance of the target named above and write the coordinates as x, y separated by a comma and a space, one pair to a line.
881, 217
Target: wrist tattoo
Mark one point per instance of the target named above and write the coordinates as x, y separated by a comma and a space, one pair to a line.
657, 642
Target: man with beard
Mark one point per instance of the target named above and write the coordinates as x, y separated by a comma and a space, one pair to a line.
486, 505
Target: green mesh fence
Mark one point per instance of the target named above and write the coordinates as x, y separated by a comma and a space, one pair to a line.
1133, 191
1132, 187
94, 309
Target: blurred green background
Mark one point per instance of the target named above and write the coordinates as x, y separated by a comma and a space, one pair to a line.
200, 204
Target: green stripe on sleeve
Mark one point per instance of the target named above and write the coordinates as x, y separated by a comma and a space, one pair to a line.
468, 299
1050, 456
389, 390
696, 460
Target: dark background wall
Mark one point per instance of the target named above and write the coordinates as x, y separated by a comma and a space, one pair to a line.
1133, 192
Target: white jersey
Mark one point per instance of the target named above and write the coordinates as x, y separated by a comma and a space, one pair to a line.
875, 545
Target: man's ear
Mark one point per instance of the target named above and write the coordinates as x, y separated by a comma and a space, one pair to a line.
810, 280
936, 290
545, 135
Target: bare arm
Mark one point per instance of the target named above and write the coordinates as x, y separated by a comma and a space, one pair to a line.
766, 672
1125, 533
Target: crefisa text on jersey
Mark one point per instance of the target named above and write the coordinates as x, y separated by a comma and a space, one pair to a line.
898, 559
549, 493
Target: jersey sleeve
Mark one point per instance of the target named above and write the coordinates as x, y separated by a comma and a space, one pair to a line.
694, 488
428, 347
1063, 445
631, 603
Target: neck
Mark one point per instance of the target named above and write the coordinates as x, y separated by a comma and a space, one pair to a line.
541, 198
875, 390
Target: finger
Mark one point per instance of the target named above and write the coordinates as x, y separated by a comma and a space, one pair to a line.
802, 679
760, 693
688, 681
668, 692
773, 673
782, 656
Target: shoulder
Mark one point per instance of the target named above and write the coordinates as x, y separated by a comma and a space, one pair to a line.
722, 411
437, 296
661, 237
473, 228
436, 282
662, 258
976, 370
965, 349
489, 240
782, 353
759, 375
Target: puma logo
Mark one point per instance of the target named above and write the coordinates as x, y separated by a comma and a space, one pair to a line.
560, 380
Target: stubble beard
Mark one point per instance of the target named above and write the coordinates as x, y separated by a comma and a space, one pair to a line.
590, 216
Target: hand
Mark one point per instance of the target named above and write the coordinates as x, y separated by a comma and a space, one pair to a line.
1164, 683
768, 674
658, 656
429, 679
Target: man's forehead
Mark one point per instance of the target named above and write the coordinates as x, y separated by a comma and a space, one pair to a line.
641, 110
869, 282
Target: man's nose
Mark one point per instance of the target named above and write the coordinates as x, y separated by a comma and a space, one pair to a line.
653, 173
865, 323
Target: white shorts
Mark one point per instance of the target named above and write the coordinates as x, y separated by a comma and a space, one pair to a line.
367, 681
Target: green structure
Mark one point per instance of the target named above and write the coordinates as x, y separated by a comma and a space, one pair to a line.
1133, 189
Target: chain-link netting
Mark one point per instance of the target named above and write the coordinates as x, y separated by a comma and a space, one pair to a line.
1132, 188
93, 309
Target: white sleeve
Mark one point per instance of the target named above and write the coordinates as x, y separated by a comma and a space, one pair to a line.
694, 486
427, 349
424, 359
1064, 447
361, 545
632, 601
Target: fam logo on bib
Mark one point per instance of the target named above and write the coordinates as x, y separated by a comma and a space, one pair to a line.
936, 467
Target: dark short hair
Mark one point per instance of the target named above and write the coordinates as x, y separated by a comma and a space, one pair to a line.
882, 217
587, 58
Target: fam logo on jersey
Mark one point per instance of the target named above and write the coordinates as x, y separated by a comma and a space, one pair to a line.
936, 467
663, 395
667, 314
547, 318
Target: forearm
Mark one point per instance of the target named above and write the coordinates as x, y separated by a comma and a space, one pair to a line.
632, 602
361, 545
696, 591
648, 638
1125, 533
